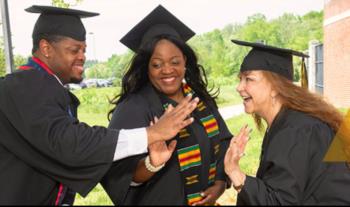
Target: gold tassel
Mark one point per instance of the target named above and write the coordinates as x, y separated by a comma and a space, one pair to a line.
304, 79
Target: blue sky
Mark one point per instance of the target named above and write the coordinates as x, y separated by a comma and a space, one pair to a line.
119, 16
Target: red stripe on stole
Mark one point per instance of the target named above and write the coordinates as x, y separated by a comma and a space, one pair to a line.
24, 67
59, 194
43, 65
211, 125
190, 157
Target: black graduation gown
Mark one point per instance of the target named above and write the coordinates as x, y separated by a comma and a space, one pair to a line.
41, 145
166, 186
291, 170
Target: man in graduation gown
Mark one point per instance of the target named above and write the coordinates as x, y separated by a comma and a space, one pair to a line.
46, 154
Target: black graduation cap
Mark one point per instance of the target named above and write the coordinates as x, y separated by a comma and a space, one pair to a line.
60, 21
159, 21
274, 59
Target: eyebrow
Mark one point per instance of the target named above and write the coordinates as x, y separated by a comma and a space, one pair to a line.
160, 58
246, 73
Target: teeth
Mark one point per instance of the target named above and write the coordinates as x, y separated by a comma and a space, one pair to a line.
79, 67
246, 98
168, 79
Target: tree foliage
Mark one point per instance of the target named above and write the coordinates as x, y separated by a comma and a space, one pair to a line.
219, 56
64, 4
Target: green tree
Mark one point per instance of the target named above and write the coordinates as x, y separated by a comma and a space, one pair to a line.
2, 58
64, 4
2, 62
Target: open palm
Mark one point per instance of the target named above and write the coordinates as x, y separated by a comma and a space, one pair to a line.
160, 152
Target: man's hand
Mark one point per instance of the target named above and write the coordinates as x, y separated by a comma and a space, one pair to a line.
172, 121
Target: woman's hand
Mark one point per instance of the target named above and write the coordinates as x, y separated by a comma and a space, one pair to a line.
160, 152
233, 155
211, 194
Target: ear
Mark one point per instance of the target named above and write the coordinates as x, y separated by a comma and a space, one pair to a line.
273, 93
45, 48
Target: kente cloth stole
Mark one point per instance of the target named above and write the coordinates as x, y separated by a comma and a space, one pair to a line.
189, 152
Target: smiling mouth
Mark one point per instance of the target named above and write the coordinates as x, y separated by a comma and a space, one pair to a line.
78, 67
247, 99
168, 80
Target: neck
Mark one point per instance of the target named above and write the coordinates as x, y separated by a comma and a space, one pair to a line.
177, 96
44, 64
271, 114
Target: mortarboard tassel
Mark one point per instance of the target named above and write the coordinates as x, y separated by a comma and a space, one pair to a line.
304, 79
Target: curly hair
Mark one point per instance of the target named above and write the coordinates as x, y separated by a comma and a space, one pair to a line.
136, 77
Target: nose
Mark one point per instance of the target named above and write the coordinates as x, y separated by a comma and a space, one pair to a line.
81, 55
167, 68
240, 86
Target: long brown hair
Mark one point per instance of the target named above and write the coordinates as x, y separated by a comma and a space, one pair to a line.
300, 99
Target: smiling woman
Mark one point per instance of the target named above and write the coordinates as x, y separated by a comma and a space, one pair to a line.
167, 69
164, 71
300, 128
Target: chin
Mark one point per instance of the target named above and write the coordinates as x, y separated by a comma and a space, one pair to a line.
248, 110
76, 80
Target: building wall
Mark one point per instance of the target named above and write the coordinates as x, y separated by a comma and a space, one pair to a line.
337, 52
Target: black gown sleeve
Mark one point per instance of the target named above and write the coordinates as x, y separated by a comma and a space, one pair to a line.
225, 136
131, 113
41, 132
291, 168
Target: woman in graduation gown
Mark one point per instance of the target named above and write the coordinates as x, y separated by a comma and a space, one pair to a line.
300, 129
189, 169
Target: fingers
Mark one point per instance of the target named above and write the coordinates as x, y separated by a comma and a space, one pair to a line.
172, 146
186, 106
206, 199
185, 123
242, 138
183, 103
169, 109
190, 107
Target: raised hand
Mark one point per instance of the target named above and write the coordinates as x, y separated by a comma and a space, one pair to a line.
172, 121
160, 152
233, 155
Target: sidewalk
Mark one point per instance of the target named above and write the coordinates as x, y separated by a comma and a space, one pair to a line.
231, 111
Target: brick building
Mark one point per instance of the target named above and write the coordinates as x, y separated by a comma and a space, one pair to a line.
336, 52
